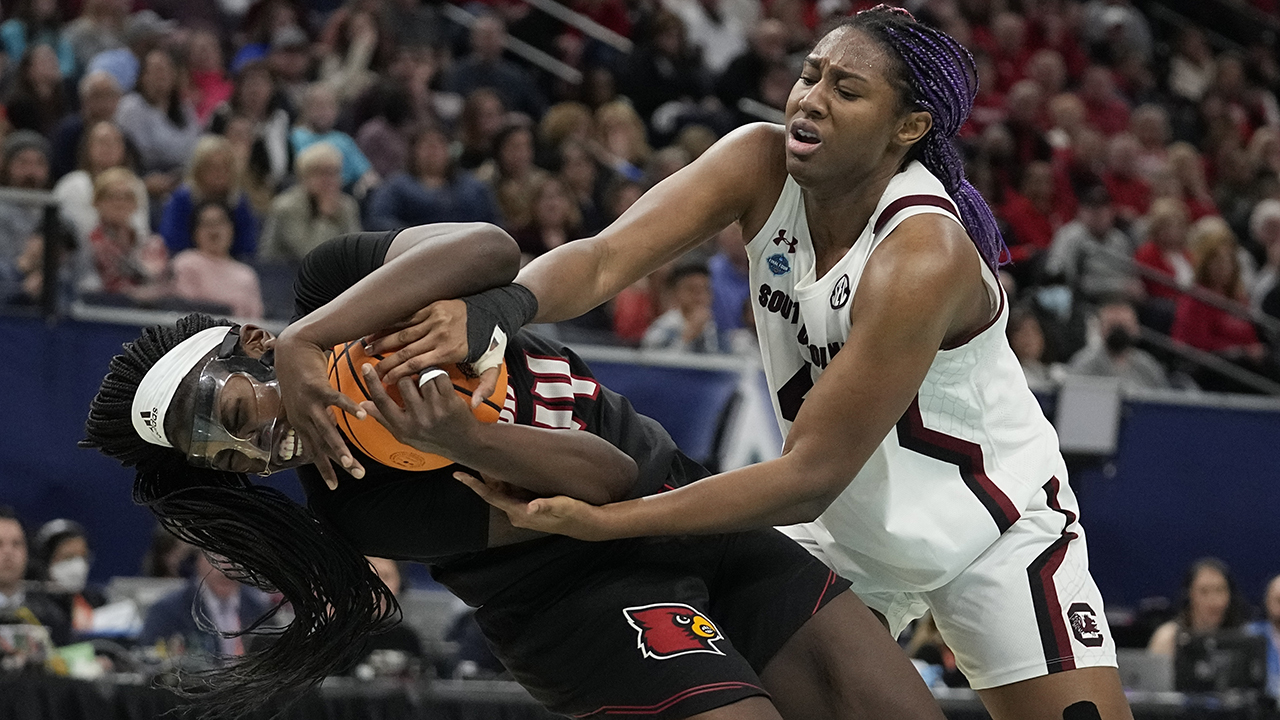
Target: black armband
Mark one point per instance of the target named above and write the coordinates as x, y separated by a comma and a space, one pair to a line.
508, 307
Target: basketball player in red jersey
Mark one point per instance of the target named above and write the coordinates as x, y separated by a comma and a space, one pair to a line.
916, 459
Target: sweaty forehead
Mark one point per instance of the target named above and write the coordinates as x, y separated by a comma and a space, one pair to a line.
852, 49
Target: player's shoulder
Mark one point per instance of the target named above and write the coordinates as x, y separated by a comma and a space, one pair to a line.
929, 246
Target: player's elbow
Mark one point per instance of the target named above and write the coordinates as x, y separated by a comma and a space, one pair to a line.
819, 480
500, 252
616, 474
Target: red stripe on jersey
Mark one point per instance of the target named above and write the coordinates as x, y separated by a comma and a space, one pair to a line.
967, 456
660, 706
907, 201
831, 580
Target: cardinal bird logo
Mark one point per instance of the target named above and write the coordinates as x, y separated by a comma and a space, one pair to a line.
668, 630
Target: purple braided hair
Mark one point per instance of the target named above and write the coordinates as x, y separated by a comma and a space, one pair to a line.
937, 74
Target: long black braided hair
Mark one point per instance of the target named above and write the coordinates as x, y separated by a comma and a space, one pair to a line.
937, 74
268, 541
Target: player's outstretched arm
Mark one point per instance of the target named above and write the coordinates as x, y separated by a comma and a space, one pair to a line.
917, 290
423, 264
436, 419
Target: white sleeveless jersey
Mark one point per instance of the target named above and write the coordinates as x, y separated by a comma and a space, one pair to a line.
967, 456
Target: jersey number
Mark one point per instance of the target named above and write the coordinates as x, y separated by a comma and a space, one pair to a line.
791, 394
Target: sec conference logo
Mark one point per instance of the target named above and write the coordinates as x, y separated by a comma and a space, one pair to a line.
840, 293
779, 264
668, 630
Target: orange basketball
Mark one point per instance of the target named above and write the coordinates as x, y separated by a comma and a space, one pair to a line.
374, 440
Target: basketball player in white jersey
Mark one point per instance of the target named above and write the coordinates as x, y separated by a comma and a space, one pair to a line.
916, 459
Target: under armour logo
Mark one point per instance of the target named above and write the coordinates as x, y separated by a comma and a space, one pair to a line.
782, 240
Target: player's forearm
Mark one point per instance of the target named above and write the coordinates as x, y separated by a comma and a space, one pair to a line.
550, 462
568, 281
776, 492
440, 262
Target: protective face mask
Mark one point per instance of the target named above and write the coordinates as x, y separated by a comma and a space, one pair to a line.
70, 575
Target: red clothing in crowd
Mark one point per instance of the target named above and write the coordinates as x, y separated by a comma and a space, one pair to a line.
1209, 328
1130, 192
1108, 117
633, 311
1031, 230
1197, 208
1152, 255
609, 13
209, 89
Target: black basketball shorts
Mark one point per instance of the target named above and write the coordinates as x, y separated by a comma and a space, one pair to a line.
665, 628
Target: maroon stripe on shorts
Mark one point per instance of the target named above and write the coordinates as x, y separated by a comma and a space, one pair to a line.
1054, 635
965, 455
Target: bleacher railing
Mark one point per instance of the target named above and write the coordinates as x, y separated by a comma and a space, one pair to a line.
49, 262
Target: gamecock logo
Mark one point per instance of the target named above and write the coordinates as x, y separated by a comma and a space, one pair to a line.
1084, 625
668, 630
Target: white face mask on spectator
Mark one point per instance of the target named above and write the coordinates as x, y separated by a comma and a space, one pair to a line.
70, 575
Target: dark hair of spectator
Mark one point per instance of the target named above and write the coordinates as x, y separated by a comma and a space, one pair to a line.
382, 51
684, 270
259, 20
503, 136
173, 105
936, 74
163, 542
23, 87
469, 130
1237, 612
269, 541
33, 25
422, 133
8, 513
199, 210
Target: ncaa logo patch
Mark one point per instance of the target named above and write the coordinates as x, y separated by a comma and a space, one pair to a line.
840, 293
779, 265
1084, 625
667, 630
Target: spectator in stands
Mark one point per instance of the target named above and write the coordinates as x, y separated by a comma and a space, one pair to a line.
217, 600
319, 113
1115, 28
159, 123
37, 22
484, 67
1269, 628
384, 118
714, 30
621, 135
1188, 168
433, 189
62, 556
480, 122
1264, 228
1026, 338
1149, 124
1213, 329
730, 282
104, 148
206, 272
167, 556
1032, 213
564, 122
360, 50
511, 174
1008, 49
99, 98
1210, 601
1129, 190
663, 68
585, 180
312, 211
1165, 249
1107, 110
118, 259
22, 234
37, 100
1207, 233
1113, 353
289, 60
17, 603
1191, 69
689, 325
553, 220
1025, 111
207, 74
211, 175
742, 77
665, 163
1091, 254
257, 99
100, 27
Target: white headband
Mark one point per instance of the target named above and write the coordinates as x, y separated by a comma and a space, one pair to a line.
159, 385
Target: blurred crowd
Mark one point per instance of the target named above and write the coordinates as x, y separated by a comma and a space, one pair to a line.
198, 151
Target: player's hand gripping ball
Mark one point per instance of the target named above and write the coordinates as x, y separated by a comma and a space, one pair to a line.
369, 436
